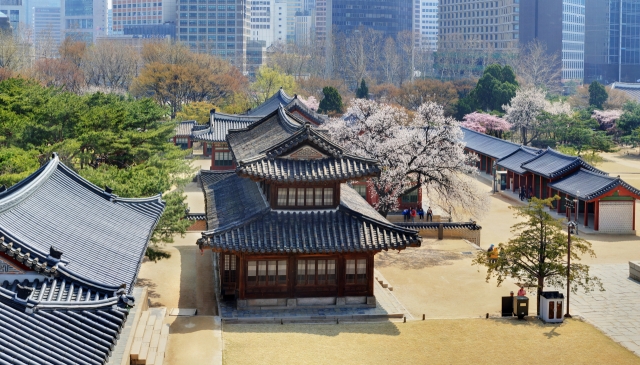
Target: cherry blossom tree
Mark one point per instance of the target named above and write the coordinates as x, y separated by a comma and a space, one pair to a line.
425, 150
607, 118
486, 123
311, 102
529, 112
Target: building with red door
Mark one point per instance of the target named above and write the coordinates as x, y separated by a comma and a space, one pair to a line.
603, 203
286, 228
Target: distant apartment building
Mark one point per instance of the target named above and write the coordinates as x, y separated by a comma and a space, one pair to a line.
479, 24
263, 21
425, 24
388, 17
560, 25
46, 29
612, 46
145, 19
293, 8
83, 20
321, 21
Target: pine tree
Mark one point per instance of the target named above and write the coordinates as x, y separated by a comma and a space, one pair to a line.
363, 91
597, 94
332, 102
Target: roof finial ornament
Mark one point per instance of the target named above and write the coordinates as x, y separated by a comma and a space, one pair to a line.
3, 188
108, 190
23, 292
55, 253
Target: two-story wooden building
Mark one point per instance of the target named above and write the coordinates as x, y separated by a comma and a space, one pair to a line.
287, 229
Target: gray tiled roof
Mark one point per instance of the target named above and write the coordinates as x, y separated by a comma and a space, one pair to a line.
590, 184
297, 106
259, 137
271, 104
57, 292
240, 221
631, 89
551, 163
103, 237
487, 145
57, 336
336, 165
515, 160
220, 125
184, 128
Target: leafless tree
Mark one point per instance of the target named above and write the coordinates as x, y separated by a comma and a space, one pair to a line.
111, 64
537, 67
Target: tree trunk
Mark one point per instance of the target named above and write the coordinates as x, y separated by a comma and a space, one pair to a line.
540, 289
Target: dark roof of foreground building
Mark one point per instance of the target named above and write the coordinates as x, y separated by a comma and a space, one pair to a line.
102, 237
240, 220
488, 145
551, 163
590, 185
515, 160
320, 159
71, 254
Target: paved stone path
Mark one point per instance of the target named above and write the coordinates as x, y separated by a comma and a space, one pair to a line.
616, 311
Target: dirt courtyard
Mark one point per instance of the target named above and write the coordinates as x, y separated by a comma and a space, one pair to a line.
462, 341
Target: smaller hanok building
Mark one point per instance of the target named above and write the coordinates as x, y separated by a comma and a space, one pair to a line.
603, 203
70, 253
286, 227
213, 136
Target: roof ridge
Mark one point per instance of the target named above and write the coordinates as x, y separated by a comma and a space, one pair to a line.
521, 148
489, 136
24, 188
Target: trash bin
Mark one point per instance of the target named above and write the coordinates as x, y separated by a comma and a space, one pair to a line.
520, 306
507, 306
551, 305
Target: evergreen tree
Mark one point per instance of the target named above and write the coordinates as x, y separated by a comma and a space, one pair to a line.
597, 94
363, 91
537, 255
496, 88
332, 101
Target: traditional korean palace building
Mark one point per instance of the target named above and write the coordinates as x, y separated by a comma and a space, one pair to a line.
213, 135
69, 257
605, 203
286, 228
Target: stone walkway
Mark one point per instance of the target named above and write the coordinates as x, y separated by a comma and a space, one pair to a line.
616, 311
387, 306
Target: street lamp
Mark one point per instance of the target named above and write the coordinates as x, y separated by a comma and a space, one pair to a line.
570, 227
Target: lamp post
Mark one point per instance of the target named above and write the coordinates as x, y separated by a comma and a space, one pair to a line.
570, 227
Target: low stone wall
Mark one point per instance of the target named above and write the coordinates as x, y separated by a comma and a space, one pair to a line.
634, 270
462, 230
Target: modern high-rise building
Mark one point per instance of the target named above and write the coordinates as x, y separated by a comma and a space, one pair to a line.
321, 21
293, 8
46, 29
560, 25
479, 24
219, 27
607, 28
388, 17
83, 20
5, 25
425, 24
16, 10
263, 21
145, 19
304, 28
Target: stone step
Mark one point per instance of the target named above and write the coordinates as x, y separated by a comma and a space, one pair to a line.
145, 349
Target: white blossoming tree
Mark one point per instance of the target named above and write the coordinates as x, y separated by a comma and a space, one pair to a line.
311, 102
425, 150
529, 111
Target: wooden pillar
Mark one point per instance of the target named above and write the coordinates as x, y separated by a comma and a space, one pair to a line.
189, 143
213, 154
340, 273
596, 210
242, 274
633, 224
540, 189
291, 276
370, 275
559, 203
586, 213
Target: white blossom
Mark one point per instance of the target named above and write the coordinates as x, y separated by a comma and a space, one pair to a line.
523, 111
425, 150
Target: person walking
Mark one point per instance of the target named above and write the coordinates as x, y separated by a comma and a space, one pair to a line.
521, 193
429, 215
522, 292
420, 213
405, 215
530, 193
413, 214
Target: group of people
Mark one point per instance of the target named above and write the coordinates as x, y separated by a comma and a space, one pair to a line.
526, 194
409, 214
